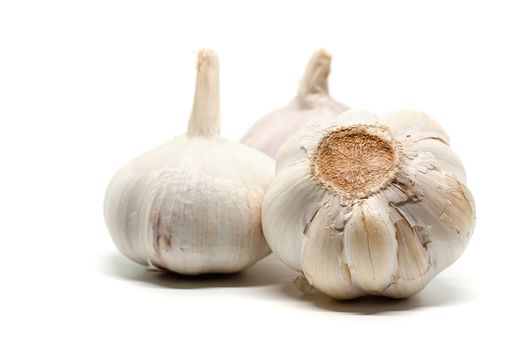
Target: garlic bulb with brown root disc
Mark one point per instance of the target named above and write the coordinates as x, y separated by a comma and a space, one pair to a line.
312, 104
193, 204
369, 204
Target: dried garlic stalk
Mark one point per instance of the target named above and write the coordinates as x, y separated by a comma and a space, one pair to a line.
312, 104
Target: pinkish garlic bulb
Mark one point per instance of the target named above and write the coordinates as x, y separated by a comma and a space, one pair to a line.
312, 104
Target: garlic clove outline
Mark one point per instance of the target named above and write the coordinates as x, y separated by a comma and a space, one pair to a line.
370, 230
312, 104
300, 208
323, 259
192, 205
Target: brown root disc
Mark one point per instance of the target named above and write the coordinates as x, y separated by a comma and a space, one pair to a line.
356, 162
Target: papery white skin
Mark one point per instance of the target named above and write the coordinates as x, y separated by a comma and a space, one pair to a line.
193, 204
312, 104
391, 243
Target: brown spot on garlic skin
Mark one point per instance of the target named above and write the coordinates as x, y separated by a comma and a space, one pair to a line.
161, 234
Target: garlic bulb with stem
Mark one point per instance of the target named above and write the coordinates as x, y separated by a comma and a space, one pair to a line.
193, 204
312, 104
369, 204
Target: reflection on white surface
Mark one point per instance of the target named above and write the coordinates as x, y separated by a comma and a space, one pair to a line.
274, 280
268, 271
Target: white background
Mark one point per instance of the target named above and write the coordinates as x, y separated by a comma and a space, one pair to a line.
87, 85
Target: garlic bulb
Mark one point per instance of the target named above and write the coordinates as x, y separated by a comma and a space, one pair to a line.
369, 204
312, 104
193, 204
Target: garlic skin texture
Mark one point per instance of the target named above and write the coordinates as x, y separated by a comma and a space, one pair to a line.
193, 204
312, 104
369, 205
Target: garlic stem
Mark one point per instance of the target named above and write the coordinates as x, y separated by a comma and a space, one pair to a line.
205, 115
315, 78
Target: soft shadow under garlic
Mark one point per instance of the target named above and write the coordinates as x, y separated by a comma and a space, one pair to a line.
268, 271
445, 290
